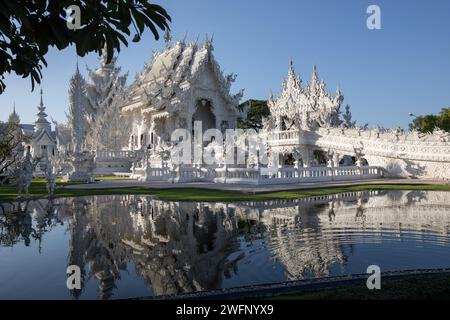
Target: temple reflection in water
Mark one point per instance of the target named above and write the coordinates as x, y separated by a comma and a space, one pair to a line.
178, 247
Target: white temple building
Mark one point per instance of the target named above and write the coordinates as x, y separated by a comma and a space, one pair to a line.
181, 85
40, 138
127, 130
42, 142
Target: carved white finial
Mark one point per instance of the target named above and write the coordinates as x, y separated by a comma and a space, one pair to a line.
291, 68
315, 74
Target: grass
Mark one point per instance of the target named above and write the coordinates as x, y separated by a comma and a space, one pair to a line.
110, 178
37, 189
423, 287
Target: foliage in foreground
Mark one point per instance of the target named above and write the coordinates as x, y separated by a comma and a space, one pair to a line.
11, 139
29, 28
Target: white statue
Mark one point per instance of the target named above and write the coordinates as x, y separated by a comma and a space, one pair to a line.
24, 173
359, 155
50, 176
54, 168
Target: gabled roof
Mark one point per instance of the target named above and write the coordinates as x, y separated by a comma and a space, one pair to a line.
171, 72
50, 134
28, 129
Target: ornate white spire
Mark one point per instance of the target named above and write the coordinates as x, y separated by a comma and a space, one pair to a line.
315, 81
104, 92
304, 107
291, 68
292, 80
41, 121
14, 117
76, 116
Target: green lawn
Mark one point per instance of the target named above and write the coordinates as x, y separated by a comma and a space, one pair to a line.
110, 178
422, 287
37, 189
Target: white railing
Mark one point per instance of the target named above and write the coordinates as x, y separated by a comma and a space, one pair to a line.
118, 154
297, 175
283, 175
284, 135
317, 174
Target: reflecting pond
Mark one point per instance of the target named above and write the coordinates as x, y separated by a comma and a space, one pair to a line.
134, 246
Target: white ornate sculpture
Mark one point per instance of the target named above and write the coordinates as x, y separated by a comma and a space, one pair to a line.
444, 136
105, 127
305, 108
77, 112
50, 176
24, 173
82, 167
359, 155
55, 166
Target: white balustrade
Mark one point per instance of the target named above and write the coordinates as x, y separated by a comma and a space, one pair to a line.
284, 135
290, 174
117, 154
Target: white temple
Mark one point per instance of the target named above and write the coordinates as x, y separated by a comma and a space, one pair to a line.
127, 130
40, 138
180, 85
43, 142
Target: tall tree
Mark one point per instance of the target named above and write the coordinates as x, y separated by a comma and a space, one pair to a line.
257, 110
347, 118
11, 138
29, 28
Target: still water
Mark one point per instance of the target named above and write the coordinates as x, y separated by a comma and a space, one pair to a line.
134, 246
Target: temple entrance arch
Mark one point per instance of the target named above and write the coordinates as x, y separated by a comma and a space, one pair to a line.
351, 160
204, 114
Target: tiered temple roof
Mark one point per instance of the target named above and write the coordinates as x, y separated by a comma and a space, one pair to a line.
41, 122
164, 81
304, 107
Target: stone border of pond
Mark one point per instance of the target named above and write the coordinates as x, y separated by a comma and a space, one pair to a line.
292, 289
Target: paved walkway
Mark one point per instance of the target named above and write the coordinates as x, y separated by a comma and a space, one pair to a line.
128, 183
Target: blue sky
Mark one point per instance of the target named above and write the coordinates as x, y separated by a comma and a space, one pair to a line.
383, 74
